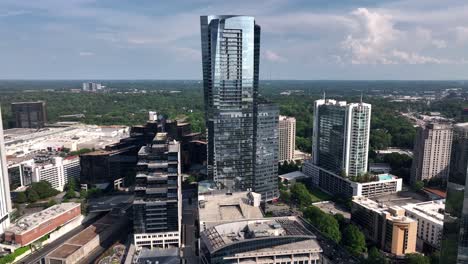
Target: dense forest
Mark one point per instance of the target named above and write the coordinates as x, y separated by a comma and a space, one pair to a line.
128, 102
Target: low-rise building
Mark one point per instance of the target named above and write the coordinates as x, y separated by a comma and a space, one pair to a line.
77, 248
341, 185
388, 227
219, 208
430, 217
269, 240
292, 177
32, 227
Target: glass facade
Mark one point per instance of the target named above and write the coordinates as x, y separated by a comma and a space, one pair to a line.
157, 204
230, 55
455, 235
340, 139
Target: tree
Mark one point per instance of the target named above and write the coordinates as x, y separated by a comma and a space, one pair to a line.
71, 189
300, 195
415, 258
418, 185
32, 195
375, 257
285, 196
354, 240
326, 223
43, 189
83, 194
341, 221
51, 202
21, 197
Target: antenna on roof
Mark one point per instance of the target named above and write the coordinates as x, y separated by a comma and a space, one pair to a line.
361, 97
324, 95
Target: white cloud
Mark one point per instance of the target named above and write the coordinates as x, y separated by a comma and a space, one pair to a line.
461, 34
86, 53
273, 56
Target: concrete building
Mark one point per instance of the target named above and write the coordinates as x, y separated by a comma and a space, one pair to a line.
271, 240
287, 138
234, 113
5, 199
338, 185
388, 227
220, 207
32, 227
432, 148
55, 170
430, 219
455, 235
23, 141
80, 246
91, 87
29, 114
293, 177
157, 208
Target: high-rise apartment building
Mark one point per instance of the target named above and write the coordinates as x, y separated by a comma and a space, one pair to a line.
455, 235
230, 54
340, 140
287, 138
157, 208
29, 114
5, 200
432, 149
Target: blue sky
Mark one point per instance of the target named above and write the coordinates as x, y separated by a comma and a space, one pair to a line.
301, 39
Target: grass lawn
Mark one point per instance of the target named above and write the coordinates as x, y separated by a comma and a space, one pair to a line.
319, 195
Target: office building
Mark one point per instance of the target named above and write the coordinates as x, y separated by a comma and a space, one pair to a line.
287, 138
432, 148
91, 87
55, 170
270, 240
340, 140
430, 218
32, 227
5, 199
388, 227
230, 55
29, 114
266, 152
157, 208
455, 235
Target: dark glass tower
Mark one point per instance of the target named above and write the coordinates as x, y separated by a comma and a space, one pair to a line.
455, 236
157, 208
230, 54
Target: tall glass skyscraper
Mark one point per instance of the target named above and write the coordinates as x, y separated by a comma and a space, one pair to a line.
5, 200
230, 54
455, 235
340, 140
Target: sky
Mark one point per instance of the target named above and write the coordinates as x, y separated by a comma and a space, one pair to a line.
300, 39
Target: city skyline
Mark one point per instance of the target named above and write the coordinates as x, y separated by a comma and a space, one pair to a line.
83, 39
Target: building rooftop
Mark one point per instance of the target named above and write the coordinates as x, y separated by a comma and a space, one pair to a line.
29, 222
394, 213
432, 210
21, 141
224, 207
293, 175
224, 234
166, 256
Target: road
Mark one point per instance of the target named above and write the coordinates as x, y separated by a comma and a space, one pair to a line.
37, 256
188, 226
